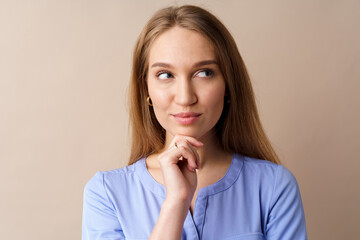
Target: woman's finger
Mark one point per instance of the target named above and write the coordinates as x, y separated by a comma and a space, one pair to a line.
193, 141
184, 143
188, 155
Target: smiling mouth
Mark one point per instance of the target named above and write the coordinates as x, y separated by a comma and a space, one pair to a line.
186, 118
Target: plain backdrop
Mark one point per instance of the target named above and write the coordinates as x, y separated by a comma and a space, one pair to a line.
64, 71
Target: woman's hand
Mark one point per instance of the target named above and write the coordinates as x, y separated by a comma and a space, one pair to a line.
178, 164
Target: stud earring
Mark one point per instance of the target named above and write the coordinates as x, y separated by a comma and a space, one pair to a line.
149, 102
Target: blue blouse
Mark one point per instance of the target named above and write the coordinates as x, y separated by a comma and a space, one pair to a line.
256, 199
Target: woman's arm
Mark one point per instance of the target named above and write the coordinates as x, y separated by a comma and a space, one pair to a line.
171, 221
178, 164
286, 218
99, 218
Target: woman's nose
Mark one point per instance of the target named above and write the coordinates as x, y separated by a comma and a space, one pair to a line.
185, 94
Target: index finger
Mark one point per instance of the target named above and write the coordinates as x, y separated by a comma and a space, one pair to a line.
193, 141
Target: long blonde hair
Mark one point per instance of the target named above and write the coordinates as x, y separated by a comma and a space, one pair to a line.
239, 128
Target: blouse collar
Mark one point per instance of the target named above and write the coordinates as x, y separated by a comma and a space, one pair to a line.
224, 183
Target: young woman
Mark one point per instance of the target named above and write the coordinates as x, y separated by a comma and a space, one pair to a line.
201, 166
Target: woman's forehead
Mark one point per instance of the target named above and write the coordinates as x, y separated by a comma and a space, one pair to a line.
180, 44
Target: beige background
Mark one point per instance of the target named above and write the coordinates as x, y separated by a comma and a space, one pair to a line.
64, 69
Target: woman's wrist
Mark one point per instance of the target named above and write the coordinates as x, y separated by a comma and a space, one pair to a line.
171, 220
177, 205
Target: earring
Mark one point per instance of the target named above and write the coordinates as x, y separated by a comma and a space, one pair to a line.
149, 102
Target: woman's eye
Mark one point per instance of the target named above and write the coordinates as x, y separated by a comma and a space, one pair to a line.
205, 73
164, 75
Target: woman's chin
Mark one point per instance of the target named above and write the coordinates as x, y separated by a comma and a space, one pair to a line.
189, 133
195, 133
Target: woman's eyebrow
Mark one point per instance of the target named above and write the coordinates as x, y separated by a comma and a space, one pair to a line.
198, 64
206, 62
160, 64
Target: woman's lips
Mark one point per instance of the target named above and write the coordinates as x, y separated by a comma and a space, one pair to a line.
186, 118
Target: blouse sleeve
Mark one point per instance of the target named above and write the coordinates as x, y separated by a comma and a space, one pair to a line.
286, 218
99, 218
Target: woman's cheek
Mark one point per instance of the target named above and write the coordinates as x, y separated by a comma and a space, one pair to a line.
160, 100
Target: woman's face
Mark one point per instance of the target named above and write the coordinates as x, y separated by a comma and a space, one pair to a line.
185, 83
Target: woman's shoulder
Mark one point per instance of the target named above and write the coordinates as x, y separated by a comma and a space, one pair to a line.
115, 177
265, 170
249, 161
280, 197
